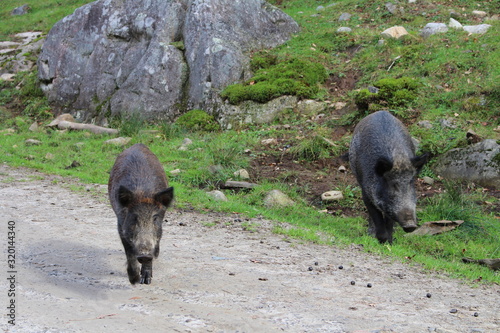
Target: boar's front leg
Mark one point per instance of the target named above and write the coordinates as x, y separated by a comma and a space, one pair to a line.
133, 269
379, 226
146, 269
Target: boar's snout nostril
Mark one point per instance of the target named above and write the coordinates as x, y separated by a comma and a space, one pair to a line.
144, 259
410, 228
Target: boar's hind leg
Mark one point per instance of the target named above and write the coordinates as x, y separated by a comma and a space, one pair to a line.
133, 269
379, 226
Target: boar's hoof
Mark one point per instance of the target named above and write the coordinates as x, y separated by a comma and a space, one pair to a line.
133, 274
146, 269
146, 275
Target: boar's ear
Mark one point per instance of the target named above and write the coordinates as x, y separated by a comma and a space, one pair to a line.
125, 196
419, 161
165, 197
382, 166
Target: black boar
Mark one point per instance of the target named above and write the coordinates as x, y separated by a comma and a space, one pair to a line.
139, 194
382, 157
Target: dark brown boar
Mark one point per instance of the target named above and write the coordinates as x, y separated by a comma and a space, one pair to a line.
139, 194
382, 157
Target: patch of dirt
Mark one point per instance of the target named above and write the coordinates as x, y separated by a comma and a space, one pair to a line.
212, 275
340, 84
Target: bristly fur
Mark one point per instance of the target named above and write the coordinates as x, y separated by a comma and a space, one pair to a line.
139, 194
382, 158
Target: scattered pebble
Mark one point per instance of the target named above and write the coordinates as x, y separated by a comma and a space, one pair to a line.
476, 314
353, 283
310, 268
453, 311
316, 263
429, 295
369, 285
341, 267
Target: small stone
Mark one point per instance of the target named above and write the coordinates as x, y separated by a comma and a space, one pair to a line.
479, 13
454, 13
344, 29
392, 8
24, 9
476, 314
453, 311
428, 295
320, 8
341, 267
187, 142
242, 174
353, 283
454, 24
332, 196
277, 198
447, 123
33, 127
175, 172
310, 268
394, 32
316, 263
342, 169
369, 285
433, 28
344, 17
428, 180
477, 29
7, 77
217, 195
49, 156
121, 141
425, 124
268, 142
33, 142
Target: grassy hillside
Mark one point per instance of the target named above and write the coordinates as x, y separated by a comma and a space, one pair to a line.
451, 75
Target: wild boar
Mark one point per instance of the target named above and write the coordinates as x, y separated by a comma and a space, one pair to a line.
139, 194
382, 158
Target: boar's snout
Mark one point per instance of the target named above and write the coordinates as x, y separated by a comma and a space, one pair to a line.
144, 259
408, 220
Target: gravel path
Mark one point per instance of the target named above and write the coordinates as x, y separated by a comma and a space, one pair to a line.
212, 275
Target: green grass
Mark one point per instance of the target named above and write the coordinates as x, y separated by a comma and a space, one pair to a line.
41, 17
478, 235
458, 78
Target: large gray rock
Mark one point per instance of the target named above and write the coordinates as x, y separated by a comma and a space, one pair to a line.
479, 163
157, 57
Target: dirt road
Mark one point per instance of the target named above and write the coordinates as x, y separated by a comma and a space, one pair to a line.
212, 275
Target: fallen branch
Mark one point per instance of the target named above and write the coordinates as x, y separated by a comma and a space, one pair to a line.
88, 127
236, 184
393, 62
66, 121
